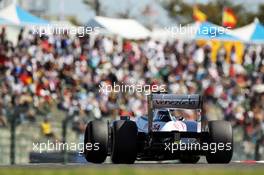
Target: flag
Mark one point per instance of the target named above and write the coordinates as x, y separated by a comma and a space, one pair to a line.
198, 15
229, 18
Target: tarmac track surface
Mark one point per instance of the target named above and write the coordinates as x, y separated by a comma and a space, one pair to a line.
232, 165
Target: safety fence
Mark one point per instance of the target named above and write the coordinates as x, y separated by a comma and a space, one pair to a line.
26, 135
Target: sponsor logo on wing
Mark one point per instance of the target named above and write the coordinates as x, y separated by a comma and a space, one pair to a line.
183, 101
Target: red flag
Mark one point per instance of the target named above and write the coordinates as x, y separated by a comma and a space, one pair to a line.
229, 18
198, 15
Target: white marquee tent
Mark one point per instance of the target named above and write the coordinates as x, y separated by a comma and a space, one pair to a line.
126, 28
17, 16
253, 32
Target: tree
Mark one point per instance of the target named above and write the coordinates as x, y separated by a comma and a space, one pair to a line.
74, 20
94, 4
178, 9
260, 14
182, 11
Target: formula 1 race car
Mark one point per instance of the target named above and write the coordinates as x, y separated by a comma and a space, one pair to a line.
160, 135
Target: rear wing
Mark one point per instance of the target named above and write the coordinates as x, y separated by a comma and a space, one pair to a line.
172, 101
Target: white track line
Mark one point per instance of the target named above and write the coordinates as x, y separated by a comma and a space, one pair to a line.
248, 161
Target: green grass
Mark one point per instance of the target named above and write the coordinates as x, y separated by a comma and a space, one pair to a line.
127, 170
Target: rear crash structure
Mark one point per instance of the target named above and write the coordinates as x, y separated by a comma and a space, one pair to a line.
160, 135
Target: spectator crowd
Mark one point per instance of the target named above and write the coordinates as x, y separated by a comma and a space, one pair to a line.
64, 71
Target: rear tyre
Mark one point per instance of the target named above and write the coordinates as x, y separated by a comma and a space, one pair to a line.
190, 159
220, 133
96, 141
124, 142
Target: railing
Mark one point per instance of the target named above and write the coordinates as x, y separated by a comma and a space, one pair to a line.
26, 135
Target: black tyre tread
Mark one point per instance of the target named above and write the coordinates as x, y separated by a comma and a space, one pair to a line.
96, 132
220, 132
124, 142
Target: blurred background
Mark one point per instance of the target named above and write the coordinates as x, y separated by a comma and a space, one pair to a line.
49, 84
